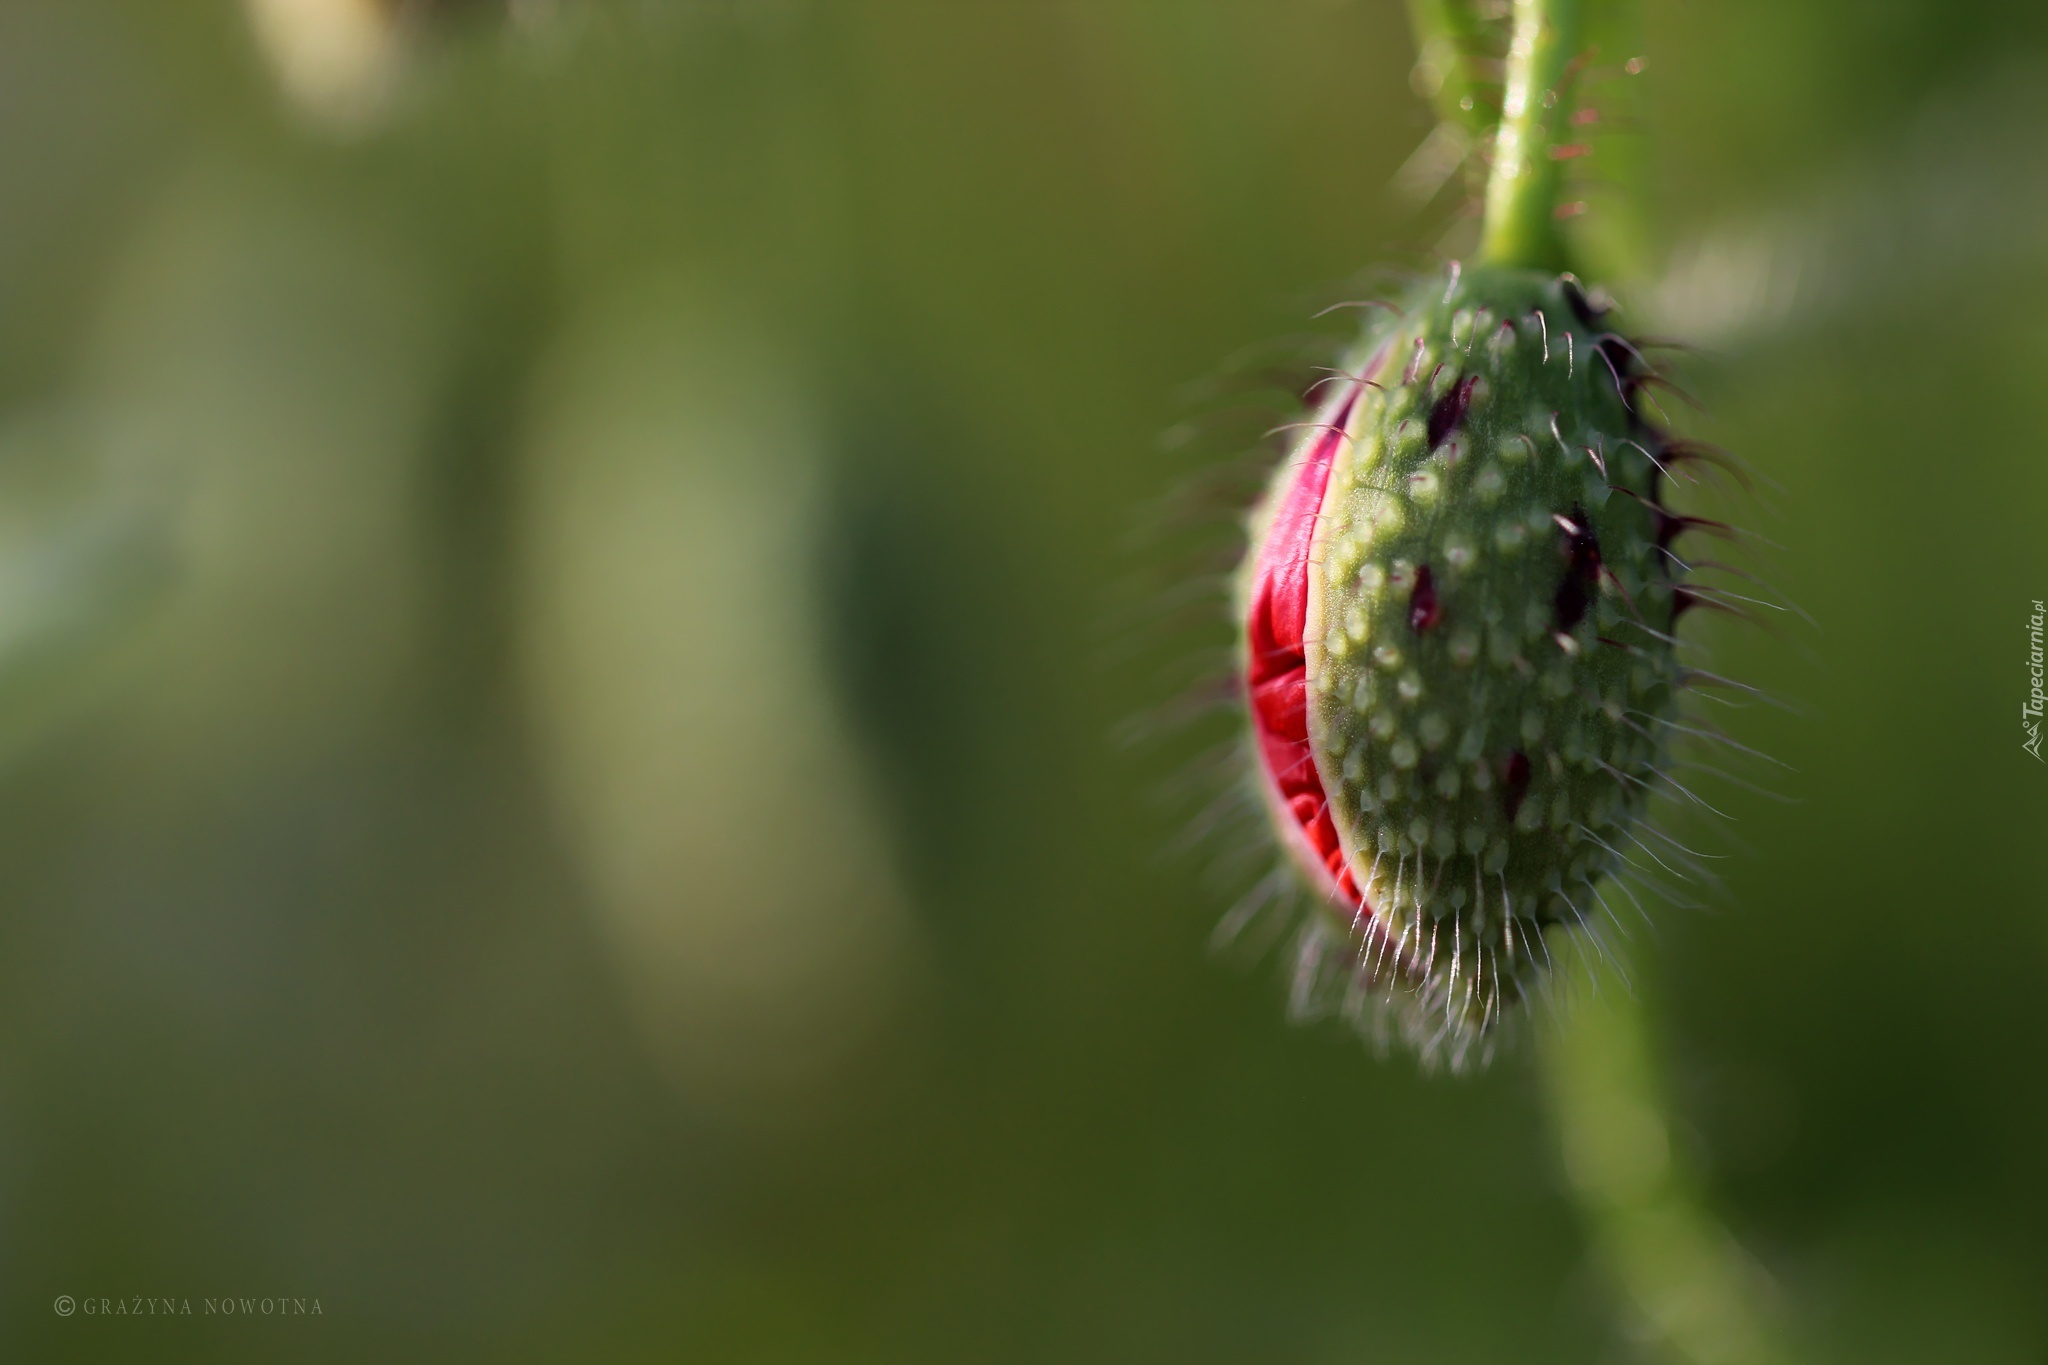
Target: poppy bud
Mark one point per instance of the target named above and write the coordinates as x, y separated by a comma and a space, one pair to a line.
1458, 662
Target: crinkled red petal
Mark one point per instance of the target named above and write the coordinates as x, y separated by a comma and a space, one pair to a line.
1276, 679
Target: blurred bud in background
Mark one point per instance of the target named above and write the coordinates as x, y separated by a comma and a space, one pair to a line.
343, 64
670, 503
83, 553
272, 362
336, 59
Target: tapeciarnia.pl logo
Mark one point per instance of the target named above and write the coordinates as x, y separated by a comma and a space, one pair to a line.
2030, 714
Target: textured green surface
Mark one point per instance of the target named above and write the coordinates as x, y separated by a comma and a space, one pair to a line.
1487, 757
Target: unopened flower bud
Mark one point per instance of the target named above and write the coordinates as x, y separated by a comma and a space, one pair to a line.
1457, 621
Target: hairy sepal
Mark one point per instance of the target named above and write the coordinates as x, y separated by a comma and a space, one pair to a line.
1485, 646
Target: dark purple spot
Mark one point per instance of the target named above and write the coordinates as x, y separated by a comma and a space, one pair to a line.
1583, 308
1620, 356
1581, 572
1659, 463
1514, 781
1614, 354
1450, 410
1670, 526
1424, 611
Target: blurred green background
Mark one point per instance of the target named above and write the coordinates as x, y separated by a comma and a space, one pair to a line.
563, 584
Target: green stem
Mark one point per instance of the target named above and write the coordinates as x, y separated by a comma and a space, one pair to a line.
1447, 38
1521, 193
1691, 1288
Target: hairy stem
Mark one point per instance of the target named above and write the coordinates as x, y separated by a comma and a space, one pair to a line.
1692, 1289
1521, 193
1447, 38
